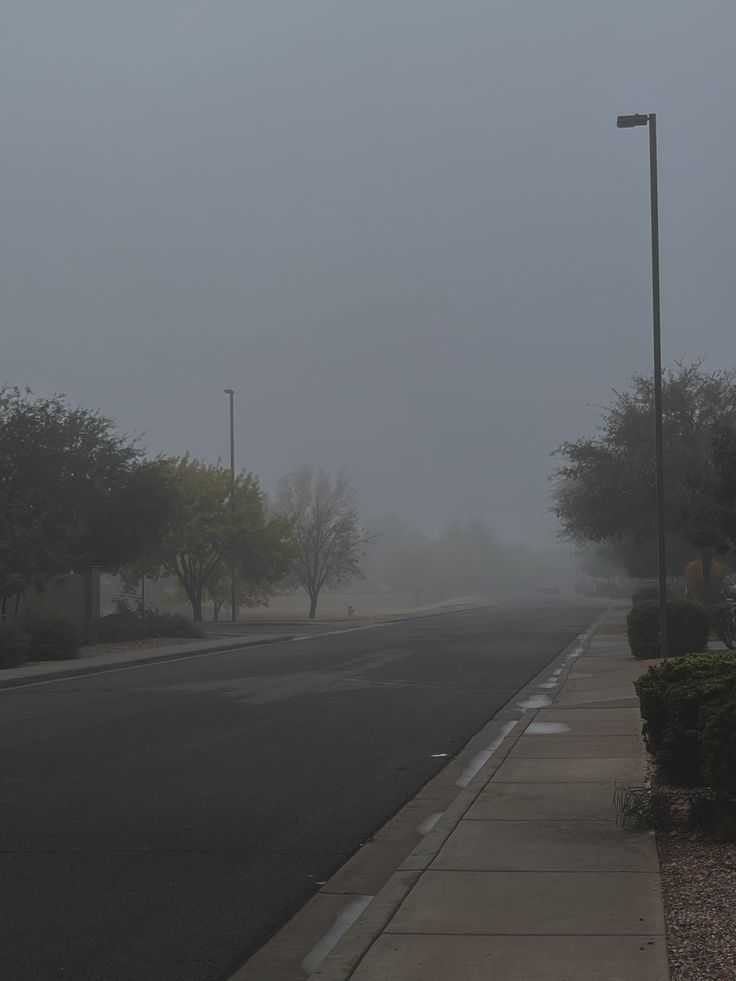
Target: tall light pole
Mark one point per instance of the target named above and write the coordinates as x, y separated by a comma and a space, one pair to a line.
231, 394
627, 122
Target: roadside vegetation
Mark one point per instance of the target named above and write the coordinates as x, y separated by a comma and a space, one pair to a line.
603, 495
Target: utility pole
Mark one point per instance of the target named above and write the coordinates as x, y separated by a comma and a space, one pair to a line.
627, 122
231, 394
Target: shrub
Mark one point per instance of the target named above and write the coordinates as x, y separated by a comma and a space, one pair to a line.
52, 639
722, 618
13, 645
718, 742
175, 625
713, 814
643, 807
674, 697
124, 626
687, 629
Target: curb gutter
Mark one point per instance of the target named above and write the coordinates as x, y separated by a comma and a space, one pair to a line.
112, 662
340, 963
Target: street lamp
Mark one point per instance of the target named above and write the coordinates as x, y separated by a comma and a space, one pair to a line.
231, 394
627, 122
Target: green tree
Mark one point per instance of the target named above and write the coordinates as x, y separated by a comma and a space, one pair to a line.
74, 492
719, 486
604, 491
248, 593
328, 540
205, 534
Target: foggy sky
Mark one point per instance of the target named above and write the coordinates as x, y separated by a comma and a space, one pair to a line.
407, 232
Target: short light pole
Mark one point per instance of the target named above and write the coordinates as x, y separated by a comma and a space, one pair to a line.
231, 394
627, 122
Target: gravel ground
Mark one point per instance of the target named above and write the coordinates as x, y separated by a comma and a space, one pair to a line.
128, 646
699, 896
699, 888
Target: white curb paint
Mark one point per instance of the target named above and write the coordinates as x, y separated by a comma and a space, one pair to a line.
480, 759
535, 702
345, 919
429, 822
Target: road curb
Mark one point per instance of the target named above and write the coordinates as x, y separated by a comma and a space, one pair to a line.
77, 669
345, 957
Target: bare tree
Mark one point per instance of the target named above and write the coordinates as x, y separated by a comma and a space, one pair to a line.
327, 538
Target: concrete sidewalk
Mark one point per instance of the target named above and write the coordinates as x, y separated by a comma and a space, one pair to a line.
528, 877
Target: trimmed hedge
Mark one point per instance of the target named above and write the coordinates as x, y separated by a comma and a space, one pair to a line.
124, 626
689, 712
13, 645
718, 742
52, 639
687, 629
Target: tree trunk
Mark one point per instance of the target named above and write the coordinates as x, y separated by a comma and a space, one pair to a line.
196, 602
313, 606
706, 560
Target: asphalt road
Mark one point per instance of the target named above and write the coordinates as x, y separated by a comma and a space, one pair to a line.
159, 822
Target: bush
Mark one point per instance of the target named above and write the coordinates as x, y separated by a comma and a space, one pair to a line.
124, 626
52, 639
713, 814
645, 594
675, 699
13, 645
722, 618
718, 742
687, 629
643, 807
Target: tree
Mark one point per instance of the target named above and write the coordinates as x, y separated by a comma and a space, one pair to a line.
720, 485
248, 594
328, 539
696, 584
388, 532
474, 560
74, 492
414, 567
205, 534
604, 491
218, 589
600, 562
